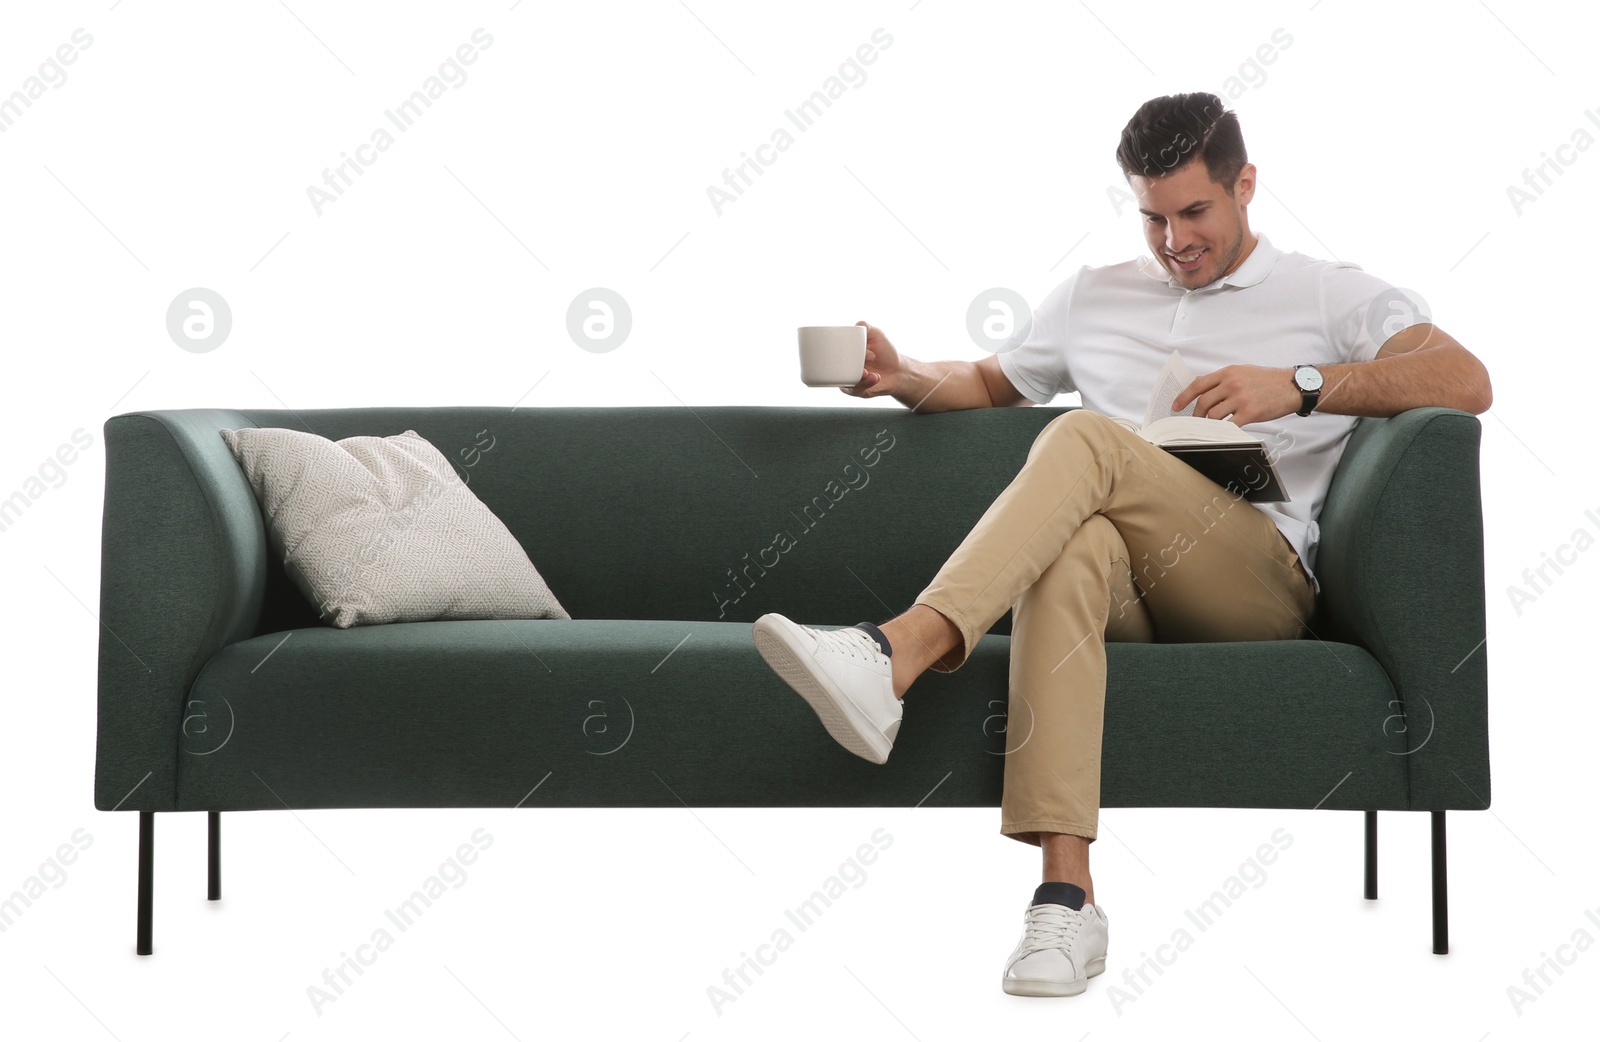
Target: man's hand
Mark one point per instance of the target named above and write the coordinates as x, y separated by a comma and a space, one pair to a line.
1242, 393
883, 373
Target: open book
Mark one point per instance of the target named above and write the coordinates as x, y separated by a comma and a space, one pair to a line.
1220, 449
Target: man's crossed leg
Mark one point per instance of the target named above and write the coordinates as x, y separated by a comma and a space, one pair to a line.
1101, 536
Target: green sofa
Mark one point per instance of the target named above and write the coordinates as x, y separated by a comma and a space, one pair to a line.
665, 532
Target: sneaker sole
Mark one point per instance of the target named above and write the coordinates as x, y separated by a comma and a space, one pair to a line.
780, 646
1050, 988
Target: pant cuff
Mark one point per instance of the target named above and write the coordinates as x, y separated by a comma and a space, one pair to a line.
953, 659
1028, 831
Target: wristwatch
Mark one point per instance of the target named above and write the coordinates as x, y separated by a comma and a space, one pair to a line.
1308, 378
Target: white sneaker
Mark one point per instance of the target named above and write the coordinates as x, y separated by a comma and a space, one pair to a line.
843, 674
1059, 951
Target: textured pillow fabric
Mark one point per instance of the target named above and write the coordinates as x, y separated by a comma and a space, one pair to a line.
383, 530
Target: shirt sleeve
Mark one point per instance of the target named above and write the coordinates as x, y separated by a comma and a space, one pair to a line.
1035, 358
1360, 311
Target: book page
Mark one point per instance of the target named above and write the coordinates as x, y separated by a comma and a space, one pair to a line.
1197, 430
1170, 382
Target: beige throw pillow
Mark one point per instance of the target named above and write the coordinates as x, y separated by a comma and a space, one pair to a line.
383, 530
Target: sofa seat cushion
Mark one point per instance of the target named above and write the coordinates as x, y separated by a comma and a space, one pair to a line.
610, 712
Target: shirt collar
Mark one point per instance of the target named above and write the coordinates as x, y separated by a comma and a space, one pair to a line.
1251, 272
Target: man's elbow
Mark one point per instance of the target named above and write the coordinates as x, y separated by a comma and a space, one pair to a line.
1480, 393
995, 386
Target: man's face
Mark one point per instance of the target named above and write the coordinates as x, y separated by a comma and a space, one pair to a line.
1186, 213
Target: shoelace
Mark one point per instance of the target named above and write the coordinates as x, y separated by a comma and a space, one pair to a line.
846, 641
1051, 926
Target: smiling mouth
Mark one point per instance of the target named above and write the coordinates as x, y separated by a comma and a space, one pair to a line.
1186, 259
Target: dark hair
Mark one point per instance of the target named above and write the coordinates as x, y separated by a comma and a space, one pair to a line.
1170, 131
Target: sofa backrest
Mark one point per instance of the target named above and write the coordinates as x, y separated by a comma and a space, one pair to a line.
723, 513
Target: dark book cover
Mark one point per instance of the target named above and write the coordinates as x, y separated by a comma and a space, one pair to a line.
1243, 469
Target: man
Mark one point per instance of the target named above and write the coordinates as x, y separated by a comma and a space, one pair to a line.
1102, 536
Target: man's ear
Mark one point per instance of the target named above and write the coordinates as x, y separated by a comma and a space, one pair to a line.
1244, 187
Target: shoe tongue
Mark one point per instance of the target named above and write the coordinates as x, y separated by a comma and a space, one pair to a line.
1069, 894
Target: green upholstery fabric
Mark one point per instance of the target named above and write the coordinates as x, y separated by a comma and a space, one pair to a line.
643, 520
1401, 566
183, 561
445, 714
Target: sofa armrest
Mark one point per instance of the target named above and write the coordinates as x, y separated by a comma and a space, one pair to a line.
1401, 567
182, 571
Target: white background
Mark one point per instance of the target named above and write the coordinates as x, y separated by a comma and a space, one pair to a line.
977, 153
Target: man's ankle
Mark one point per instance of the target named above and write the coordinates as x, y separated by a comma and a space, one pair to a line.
899, 682
913, 652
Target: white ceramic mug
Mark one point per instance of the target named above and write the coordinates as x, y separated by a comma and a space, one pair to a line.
832, 356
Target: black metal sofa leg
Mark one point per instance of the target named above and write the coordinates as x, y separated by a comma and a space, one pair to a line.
147, 848
147, 843
1371, 892
1441, 904
213, 855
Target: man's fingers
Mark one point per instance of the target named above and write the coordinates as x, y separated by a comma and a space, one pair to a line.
867, 382
1215, 410
1195, 389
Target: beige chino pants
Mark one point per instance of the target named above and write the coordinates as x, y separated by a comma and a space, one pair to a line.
1103, 537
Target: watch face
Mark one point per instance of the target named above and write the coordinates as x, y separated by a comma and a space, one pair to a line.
1308, 378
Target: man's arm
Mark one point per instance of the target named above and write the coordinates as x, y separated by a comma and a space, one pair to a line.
932, 386
1420, 365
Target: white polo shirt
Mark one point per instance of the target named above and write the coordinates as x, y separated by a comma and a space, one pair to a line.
1106, 332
